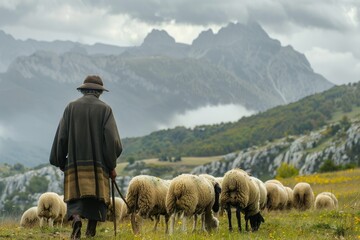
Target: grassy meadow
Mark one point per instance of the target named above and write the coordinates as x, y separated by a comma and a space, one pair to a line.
343, 223
172, 168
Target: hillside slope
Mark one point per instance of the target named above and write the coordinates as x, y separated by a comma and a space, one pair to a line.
308, 114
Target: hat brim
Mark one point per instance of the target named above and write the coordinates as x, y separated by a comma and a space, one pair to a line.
92, 86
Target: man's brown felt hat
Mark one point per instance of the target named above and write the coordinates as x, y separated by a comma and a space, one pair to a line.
93, 82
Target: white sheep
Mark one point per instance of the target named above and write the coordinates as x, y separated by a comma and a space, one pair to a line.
49, 208
120, 210
216, 182
333, 198
193, 195
290, 201
239, 191
30, 218
277, 195
263, 192
219, 180
146, 198
326, 200
303, 196
62, 216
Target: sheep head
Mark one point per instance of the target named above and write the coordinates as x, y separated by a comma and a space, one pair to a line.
255, 221
217, 190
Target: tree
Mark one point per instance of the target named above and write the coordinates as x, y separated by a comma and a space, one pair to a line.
18, 167
131, 160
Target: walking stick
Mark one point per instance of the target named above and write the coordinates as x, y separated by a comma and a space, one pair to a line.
118, 190
113, 201
114, 185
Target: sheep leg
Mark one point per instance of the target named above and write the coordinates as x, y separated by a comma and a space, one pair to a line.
157, 220
246, 223
238, 217
195, 222
203, 222
51, 222
167, 217
184, 223
172, 222
41, 222
228, 210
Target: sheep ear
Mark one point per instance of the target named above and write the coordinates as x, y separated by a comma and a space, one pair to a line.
217, 190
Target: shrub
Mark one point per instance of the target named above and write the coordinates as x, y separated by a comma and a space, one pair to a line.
329, 166
38, 184
286, 170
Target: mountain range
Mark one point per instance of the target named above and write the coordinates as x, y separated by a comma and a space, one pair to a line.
149, 84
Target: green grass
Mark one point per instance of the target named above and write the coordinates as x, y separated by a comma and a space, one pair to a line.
343, 223
338, 115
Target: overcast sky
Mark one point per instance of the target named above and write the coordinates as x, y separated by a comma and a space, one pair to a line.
326, 31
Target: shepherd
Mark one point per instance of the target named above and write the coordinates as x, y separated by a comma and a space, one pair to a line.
86, 147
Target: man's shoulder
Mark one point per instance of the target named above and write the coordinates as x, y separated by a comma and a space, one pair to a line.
93, 101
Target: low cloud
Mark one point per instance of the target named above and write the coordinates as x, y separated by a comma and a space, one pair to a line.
337, 67
208, 115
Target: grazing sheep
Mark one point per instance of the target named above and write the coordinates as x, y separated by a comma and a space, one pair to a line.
290, 201
62, 216
119, 207
146, 198
49, 208
29, 218
221, 210
239, 191
216, 182
277, 195
219, 180
263, 192
333, 198
193, 195
303, 196
326, 200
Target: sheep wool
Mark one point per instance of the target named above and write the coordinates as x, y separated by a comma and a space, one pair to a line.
325, 200
146, 198
303, 196
239, 191
119, 203
192, 195
332, 197
277, 195
62, 215
263, 192
29, 218
49, 208
290, 201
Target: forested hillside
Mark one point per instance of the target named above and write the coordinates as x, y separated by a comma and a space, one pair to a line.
296, 118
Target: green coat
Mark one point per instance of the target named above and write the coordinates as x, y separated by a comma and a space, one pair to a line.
86, 146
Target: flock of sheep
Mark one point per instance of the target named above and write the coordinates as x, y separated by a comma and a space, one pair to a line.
192, 196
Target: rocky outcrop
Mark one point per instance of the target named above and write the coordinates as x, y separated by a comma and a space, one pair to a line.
13, 187
306, 153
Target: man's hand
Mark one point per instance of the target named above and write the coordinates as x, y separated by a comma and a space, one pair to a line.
113, 174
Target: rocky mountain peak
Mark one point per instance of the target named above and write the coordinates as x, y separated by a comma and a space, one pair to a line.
158, 37
230, 34
5, 37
